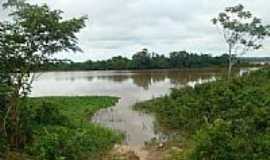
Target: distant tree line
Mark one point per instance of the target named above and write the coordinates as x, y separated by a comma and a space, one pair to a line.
144, 60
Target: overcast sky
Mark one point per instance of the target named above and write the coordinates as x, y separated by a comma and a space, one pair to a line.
122, 27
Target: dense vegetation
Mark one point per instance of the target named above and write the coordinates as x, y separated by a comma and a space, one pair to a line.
144, 60
59, 128
49, 128
226, 120
29, 37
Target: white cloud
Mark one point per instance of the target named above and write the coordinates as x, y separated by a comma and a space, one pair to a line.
126, 26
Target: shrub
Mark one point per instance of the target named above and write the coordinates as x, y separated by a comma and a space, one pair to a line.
222, 140
56, 143
227, 120
3, 146
32, 118
58, 134
49, 114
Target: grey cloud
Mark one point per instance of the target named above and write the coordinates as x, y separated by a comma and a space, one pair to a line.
126, 26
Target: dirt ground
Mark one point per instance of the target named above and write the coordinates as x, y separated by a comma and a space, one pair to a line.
123, 152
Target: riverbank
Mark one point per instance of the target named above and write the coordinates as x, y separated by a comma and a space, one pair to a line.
218, 120
62, 129
79, 69
132, 87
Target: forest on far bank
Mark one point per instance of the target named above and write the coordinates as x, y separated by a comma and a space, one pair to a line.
143, 60
149, 60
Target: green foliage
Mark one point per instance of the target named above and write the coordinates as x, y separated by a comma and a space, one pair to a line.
241, 30
55, 128
58, 142
141, 60
61, 128
54, 144
144, 60
79, 109
49, 114
3, 146
27, 41
214, 142
222, 120
226, 140
35, 34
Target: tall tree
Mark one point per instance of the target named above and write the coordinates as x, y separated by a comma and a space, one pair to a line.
119, 62
179, 59
28, 41
242, 32
142, 59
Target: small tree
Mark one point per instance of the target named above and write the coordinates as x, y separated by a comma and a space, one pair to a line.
28, 41
242, 32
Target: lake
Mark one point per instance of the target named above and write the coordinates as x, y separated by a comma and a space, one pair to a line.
129, 86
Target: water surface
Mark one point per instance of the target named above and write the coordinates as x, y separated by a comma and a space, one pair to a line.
130, 86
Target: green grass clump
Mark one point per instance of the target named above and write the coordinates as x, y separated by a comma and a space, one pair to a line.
221, 120
77, 109
61, 128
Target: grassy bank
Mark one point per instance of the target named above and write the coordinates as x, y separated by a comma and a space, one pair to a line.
77, 109
63, 131
219, 120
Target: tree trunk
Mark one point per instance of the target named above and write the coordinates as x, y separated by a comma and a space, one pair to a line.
14, 102
230, 62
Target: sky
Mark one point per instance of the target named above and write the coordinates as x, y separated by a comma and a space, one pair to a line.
123, 27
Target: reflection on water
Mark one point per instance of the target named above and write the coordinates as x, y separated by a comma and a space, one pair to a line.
89, 83
130, 86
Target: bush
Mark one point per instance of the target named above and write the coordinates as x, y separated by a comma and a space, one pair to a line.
59, 134
213, 142
32, 118
49, 114
3, 146
222, 140
54, 144
227, 120
57, 143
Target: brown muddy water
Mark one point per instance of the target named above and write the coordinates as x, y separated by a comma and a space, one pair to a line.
130, 86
